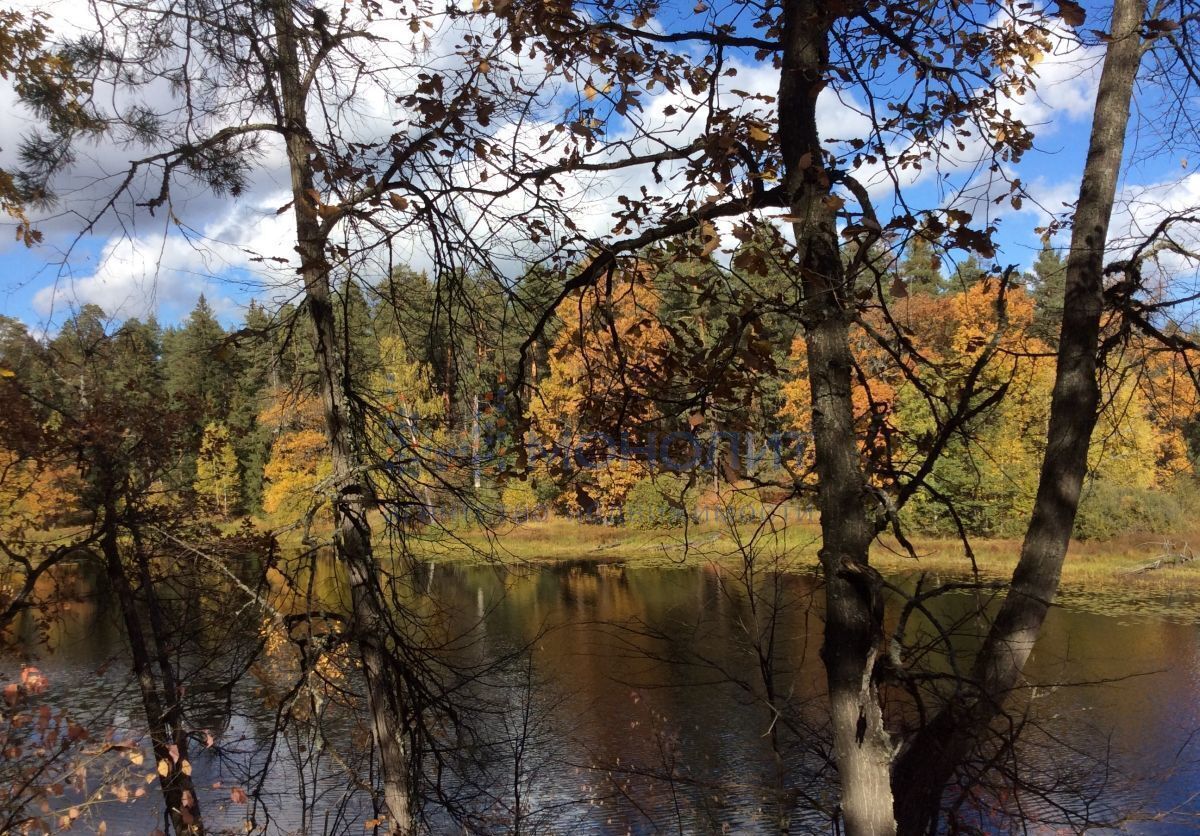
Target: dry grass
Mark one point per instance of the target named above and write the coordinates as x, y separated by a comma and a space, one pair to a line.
1111, 563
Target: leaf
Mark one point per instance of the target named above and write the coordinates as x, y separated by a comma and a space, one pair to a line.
398, 203
238, 795
759, 134
1071, 12
484, 66
186, 766
589, 90
164, 768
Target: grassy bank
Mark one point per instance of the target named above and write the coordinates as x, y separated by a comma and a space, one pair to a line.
1112, 563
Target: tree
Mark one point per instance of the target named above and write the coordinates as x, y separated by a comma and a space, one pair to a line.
123, 437
45, 81
198, 364
217, 468
1049, 271
817, 47
921, 268
932, 757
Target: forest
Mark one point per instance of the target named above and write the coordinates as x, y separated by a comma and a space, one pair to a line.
612, 416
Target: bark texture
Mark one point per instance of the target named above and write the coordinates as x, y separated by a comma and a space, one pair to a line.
854, 613
930, 760
353, 495
160, 697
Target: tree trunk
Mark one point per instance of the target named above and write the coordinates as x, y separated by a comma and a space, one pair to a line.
353, 494
854, 613
930, 760
168, 737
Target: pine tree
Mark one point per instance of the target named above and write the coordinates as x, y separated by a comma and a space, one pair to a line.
921, 268
199, 370
1049, 278
967, 272
217, 468
259, 371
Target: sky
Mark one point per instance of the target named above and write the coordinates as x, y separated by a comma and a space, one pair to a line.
138, 264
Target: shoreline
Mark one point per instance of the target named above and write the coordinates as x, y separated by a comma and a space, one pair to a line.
1128, 562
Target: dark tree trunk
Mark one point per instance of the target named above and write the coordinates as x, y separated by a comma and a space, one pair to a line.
353, 495
853, 620
931, 758
160, 702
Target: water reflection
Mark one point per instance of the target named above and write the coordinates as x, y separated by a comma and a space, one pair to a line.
642, 708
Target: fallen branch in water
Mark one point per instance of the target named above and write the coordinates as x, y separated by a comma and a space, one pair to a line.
1169, 557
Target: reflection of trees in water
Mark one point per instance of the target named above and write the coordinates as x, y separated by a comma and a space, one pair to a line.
646, 701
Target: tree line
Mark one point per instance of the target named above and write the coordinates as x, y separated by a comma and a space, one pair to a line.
927, 399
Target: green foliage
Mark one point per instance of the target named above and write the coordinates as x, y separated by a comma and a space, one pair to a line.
921, 268
659, 501
1049, 279
1108, 510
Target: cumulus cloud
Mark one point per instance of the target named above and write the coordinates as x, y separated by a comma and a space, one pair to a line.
150, 264
141, 274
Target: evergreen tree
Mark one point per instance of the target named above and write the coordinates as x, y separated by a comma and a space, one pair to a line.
967, 272
259, 371
1049, 278
199, 369
921, 268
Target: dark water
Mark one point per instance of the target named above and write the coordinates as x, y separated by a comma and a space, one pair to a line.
642, 708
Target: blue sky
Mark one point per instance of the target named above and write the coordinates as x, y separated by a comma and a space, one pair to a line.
154, 265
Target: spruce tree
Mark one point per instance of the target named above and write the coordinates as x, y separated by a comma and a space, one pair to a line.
921, 268
1049, 278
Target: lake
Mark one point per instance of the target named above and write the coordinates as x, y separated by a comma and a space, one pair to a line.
641, 706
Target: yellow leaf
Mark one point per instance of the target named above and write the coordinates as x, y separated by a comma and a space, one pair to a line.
589, 90
484, 66
164, 768
758, 134
136, 758
186, 766
11, 373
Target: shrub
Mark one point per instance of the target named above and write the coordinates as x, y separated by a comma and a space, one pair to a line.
658, 502
1108, 510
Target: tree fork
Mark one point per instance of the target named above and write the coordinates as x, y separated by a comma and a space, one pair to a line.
931, 758
353, 495
854, 615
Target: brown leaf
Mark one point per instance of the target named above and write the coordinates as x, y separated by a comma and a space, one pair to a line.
1071, 12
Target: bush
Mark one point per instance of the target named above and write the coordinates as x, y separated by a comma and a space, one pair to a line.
658, 502
519, 498
1108, 510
